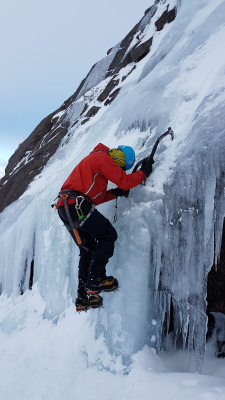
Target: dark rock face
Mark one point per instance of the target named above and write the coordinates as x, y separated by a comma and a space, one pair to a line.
93, 111
32, 155
166, 17
16, 180
84, 121
31, 143
111, 85
139, 52
120, 60
125, 76
112, 97
216, 283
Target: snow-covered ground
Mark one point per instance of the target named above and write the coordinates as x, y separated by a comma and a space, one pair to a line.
61, 359
168, 232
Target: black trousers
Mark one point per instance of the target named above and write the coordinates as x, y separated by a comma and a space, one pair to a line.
98, 237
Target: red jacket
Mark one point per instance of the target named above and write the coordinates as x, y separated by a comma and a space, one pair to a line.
91, 176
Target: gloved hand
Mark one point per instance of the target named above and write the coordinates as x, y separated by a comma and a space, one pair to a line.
120, 192
147, 167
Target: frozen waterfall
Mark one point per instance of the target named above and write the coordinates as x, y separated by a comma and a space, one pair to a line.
169, 230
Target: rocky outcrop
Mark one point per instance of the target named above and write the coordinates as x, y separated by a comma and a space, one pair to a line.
139, 52
112, 97
122, 59
84, 121
125, 76
108, 89
166, 17
92, 112
32, 143
28, 161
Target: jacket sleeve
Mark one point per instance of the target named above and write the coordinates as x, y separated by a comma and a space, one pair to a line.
109, 196
115, 174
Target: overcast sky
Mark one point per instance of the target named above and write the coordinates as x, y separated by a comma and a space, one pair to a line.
47, 47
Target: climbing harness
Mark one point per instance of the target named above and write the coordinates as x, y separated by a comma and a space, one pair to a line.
79, 199
64, 197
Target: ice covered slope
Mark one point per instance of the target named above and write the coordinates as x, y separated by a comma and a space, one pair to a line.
169, 231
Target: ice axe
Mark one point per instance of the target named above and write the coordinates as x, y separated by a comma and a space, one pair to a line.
150, 157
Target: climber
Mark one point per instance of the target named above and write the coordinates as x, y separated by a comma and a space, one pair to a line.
85, 188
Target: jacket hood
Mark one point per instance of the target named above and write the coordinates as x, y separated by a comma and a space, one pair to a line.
101, 146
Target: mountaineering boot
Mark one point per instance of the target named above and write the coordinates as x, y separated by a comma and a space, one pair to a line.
96, 301
84, 303
105, 284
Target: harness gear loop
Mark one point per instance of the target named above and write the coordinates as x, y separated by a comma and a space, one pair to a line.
85, 217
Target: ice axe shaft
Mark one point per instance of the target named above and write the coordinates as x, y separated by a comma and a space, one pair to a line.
150, 157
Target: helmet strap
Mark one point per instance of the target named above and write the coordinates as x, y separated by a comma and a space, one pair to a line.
115, 154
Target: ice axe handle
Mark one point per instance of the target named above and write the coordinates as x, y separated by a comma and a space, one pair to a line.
168, 132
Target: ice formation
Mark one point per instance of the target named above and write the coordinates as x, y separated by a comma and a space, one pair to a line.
169, 230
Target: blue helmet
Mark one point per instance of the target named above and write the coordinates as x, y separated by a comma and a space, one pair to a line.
129, 156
